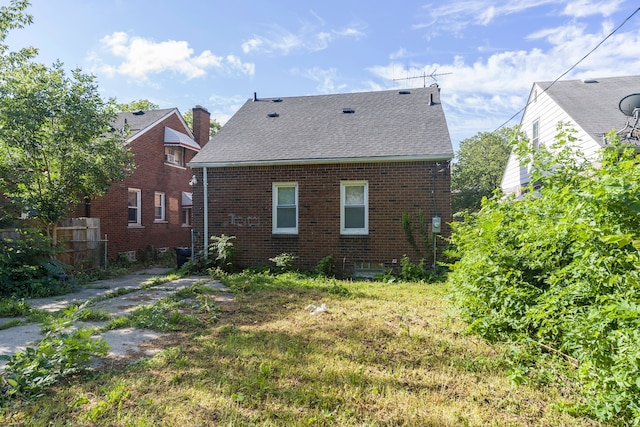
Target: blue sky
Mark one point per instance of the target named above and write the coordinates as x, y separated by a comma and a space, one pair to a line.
216, 54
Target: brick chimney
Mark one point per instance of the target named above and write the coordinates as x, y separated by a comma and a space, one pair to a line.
201, 120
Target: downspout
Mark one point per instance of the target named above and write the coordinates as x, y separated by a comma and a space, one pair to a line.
205, 189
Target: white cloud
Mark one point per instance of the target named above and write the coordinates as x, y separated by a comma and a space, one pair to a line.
307, 39
583, 8
325, 78
142, 57
482, 93
454, 16
225, 107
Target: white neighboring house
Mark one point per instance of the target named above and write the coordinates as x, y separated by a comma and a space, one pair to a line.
590, 106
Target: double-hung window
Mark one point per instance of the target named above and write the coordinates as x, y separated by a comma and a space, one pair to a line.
354, 207
535, 135
159, 206
285, 208
135, 205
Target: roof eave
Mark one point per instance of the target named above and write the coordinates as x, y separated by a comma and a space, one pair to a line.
386, 159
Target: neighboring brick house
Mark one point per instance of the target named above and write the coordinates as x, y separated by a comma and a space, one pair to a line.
590, 106
325, 175
152, 208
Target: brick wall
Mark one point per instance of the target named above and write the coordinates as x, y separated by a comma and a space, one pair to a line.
151, 175
240, 204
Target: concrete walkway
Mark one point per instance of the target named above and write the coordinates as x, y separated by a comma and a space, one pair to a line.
122, 342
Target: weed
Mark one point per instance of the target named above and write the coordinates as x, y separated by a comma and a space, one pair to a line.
11, 307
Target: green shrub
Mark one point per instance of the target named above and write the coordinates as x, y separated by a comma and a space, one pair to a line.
561, 268
220, 256
27, 268
326, 267
284, 261
59, 354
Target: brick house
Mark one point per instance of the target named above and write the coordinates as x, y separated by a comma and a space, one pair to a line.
325, 175
152, 208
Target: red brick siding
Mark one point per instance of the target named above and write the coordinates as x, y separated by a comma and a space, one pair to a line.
151, 175
244, 195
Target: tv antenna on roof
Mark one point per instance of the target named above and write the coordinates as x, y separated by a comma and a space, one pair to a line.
424, 77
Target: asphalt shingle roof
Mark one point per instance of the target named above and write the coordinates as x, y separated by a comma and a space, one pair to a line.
594, 106
384, 125
139, 122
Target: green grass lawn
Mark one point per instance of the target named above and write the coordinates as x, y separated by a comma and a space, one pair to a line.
381, 355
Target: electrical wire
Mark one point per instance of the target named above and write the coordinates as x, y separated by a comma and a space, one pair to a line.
573, 66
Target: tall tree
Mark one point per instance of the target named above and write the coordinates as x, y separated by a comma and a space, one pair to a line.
138, 105
55, 133
480, 163
214, 126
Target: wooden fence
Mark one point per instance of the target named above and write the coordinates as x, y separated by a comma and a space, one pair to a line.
83, 248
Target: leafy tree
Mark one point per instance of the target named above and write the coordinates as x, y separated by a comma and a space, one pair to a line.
478, 171
138, 105
55, 133
214, 126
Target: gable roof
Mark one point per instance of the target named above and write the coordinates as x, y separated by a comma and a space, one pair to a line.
353, 127
593, 104
140, 122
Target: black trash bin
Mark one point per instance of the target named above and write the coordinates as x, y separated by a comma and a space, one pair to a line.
183, 253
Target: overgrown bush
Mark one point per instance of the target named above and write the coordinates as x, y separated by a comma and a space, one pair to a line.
326, 267
56, 356
220, 256
561, 268
27, 268
284, 261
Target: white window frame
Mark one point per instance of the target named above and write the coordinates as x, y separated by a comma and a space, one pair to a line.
138, 207
535, 134
162, 217
276, 186
170, 157
354, 231
187, 212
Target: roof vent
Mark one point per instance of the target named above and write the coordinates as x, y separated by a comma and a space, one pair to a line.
589, 81
138, 113
348, 110
276, 100
273, 114
404, 92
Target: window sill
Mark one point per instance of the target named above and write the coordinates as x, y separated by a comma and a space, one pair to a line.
160, 221
284, 235
135, 226
354, 236
186, 226
175, 166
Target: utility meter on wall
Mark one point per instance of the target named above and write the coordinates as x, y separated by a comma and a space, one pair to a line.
435, 224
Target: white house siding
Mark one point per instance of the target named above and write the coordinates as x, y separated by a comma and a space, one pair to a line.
543, 108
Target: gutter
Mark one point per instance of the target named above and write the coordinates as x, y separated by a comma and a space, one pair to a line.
205, 189
328, 161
